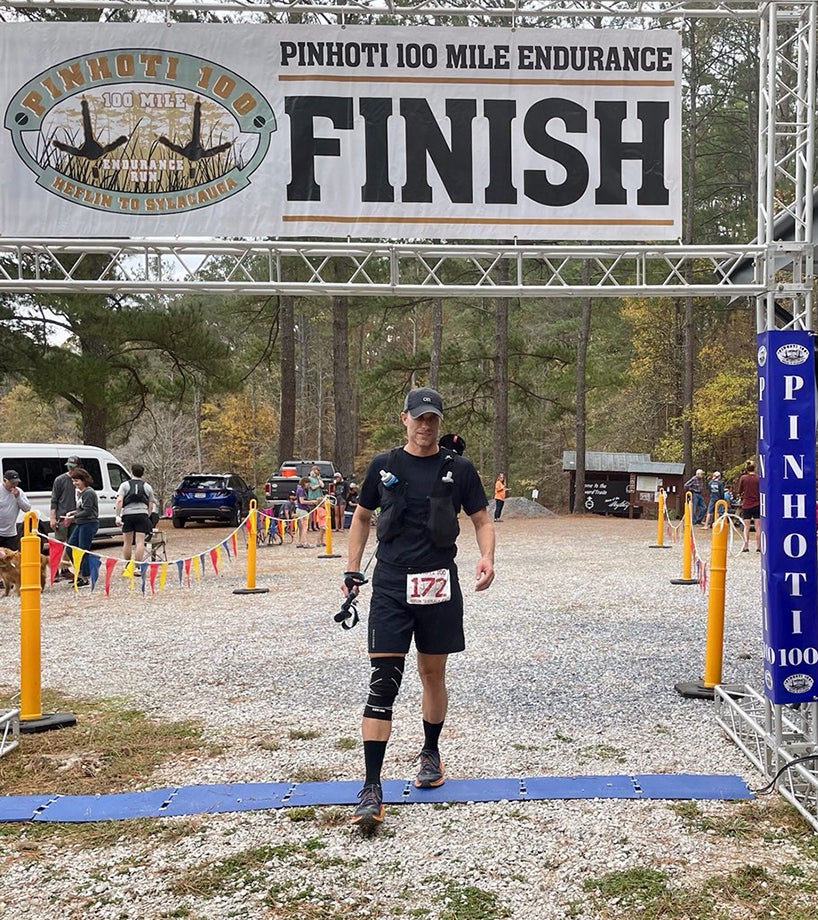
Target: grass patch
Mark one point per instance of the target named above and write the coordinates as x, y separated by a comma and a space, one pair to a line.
27, 840
304, 734
245, 870
468, 902
312, 774
298, 813
269, 744
750, 892
346, 744
241, 870
112, 748
601, 752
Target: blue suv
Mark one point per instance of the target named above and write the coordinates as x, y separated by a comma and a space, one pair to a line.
223, 497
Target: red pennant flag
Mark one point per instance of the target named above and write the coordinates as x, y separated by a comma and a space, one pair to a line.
154, 568
110, 565
187, 570
214, 558
55, 551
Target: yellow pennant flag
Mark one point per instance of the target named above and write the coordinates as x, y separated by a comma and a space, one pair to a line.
76, 561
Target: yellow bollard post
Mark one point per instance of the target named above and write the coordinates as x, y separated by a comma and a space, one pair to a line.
328, 532
32, 718
714, 645
687, 545
660, 523
252, 545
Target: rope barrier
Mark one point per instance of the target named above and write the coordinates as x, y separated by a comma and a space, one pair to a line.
149, 572
688, 547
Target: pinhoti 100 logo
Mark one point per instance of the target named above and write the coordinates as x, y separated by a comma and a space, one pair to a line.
141, 131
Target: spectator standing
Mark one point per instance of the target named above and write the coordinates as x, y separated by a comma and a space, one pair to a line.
696, 486
500, 492
63, 499
315, 493
749, 491
340, 491
288, 512
352, 496
85, 519
303, 507
135, 503
715, 491
13, 500
415, 590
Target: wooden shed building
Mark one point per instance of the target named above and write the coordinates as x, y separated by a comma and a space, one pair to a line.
626, 485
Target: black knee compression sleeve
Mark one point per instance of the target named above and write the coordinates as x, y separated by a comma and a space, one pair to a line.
384, 683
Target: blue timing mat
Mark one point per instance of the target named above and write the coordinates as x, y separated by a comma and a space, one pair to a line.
194, 800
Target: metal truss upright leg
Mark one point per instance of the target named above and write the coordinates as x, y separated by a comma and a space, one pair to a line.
773, 735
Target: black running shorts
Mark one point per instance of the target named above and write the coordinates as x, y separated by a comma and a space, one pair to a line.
137, 523
437, 628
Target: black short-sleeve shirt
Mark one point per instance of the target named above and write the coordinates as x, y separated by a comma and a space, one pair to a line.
412, 547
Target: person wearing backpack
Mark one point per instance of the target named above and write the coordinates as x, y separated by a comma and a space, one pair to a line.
420, 489
135, 503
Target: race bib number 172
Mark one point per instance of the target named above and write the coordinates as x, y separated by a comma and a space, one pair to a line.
428, 587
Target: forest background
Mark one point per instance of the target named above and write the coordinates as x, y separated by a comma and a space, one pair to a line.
203, 382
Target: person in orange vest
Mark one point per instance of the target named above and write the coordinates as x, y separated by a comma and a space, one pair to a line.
500, 492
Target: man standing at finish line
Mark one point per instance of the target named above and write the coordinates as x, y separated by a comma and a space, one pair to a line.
415, 591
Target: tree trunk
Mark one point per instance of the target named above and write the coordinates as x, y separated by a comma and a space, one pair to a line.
583, 338
501, 376
437, 342
344, 421
286, 423
94, 424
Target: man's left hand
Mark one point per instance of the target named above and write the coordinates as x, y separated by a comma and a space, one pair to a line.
484, 574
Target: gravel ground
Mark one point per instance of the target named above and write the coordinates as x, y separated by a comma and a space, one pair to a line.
570, 669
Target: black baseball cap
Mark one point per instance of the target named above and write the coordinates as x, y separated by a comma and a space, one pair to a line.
72, 461
11, 475
422, 400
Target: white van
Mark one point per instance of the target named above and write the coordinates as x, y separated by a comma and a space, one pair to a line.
38, 465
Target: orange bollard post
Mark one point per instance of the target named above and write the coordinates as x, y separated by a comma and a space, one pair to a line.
32, 718
660, 523
252, 544
714, 645
328, 532
687, 546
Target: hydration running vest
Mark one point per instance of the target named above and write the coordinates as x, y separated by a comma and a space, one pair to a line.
441, 517
136, 493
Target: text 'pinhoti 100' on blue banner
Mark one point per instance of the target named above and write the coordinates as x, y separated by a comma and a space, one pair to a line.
786, 447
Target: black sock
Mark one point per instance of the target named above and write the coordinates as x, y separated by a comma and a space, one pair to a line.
431, 732
374, 753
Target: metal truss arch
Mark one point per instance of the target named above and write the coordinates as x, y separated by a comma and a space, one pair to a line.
783, 272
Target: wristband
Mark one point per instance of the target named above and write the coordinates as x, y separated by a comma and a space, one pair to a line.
354, 580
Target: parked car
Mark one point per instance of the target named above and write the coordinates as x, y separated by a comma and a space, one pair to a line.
281, 483
222, 497
38, 465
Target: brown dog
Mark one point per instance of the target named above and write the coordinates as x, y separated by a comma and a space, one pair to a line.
10, 570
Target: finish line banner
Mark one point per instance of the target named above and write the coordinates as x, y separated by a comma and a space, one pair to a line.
786, 449
368, 131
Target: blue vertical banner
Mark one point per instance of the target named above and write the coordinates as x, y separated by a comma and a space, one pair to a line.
786, 453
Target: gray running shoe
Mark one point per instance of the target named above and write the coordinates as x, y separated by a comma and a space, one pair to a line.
430, 773
370, 812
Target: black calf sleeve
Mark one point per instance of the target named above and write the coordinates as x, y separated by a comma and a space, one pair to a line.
384, 683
